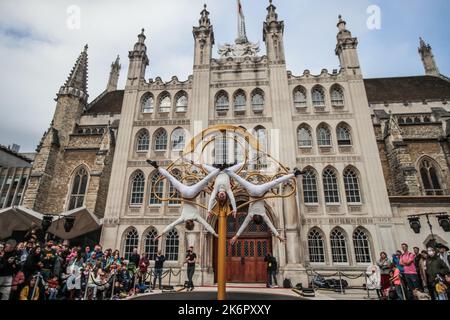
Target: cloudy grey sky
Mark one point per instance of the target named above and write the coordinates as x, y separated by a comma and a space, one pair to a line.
37, 49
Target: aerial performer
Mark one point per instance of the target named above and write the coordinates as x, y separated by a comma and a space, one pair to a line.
257, 210
189, 212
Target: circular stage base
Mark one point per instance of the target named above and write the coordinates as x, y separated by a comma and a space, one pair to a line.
213, 296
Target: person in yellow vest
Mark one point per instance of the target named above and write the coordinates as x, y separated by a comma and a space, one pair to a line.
27, 291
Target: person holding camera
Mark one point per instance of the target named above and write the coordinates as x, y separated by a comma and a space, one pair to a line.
191, 258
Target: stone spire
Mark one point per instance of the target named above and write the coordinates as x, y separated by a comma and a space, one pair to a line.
114, 75
429, 63
272, 15
138, 60
204, 18
76, 83
346, 49
242, 32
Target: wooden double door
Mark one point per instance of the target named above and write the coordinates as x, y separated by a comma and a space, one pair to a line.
245, 259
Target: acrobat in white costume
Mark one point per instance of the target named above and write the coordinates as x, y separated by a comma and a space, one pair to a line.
256, 191
190, 211
222, 184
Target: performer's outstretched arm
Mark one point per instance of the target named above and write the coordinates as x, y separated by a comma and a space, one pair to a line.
244, 225
270, 225
213, 198
180, 220
205, 223
232, 200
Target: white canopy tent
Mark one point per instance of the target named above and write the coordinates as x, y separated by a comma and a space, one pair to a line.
20, 219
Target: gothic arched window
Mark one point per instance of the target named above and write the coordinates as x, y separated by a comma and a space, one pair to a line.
362, 246
324, 136
143, 140
165, 103
257, 100
351, 183
318, 97
304, 137
222, 102
148, 104
161, 140
240, 101
137, 188
182, 102
156, 189
330, 186
131, 242
151, 243
172, 244
338, 246
79, 188
430, 178
316, 246
337, 96
309, 183
344, 137
300, 97
178, 139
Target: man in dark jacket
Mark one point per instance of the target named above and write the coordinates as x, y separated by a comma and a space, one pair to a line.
272, 268
435, 267
8, 265
135, 258
159, 264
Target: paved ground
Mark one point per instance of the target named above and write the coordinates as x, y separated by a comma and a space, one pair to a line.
254, 292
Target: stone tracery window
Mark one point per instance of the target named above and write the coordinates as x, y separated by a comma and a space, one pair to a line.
344, 137
304, 137
143, 140
182, 103
79, 188
362, 246
156, 189
148, 104
161, 140
240, 101
300, 97
324, 136
131, 242
430, 178
351, 183
338, 246
222, 102
172, 245
316, 246
309, 183
318, 97
330, 186
137, 188
178, 139
258, 100
165, 103
337, 96
151, 244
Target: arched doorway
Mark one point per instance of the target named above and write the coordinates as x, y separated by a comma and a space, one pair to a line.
245, 259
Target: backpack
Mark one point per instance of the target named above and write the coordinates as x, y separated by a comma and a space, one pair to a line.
287, 284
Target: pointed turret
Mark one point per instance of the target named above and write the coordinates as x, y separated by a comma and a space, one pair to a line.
346, 49
76, 84
204, 39
273, 33
138, 60
114, 75
242, 32
429, 63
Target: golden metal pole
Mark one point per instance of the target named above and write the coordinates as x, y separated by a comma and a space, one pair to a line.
222, 253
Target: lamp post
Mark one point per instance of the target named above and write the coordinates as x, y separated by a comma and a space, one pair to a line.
443, 219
